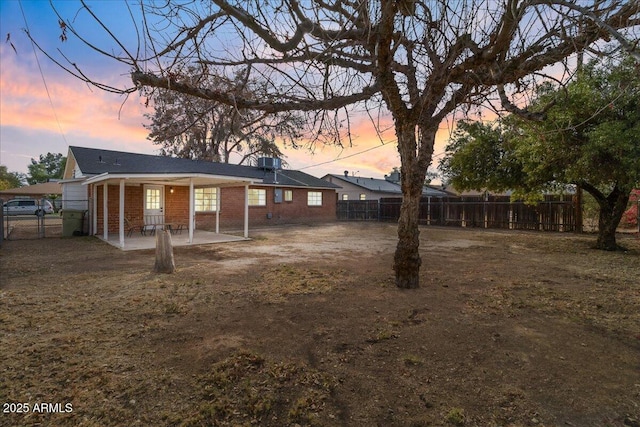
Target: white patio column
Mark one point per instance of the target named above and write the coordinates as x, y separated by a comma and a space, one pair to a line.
94, 203
121, 214
246, 210
192, 222
105, 211
217, 210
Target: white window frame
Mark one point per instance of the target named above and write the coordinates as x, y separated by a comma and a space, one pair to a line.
206, 199
257, 197
314, 198
288, 195
153, 199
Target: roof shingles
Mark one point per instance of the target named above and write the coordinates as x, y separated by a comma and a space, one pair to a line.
93, 161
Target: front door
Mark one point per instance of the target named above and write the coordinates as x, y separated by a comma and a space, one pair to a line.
153, 205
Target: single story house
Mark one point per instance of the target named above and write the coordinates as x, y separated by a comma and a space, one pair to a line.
361, 188
119, 188
51, 190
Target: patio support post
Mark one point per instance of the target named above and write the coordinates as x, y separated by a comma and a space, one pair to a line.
217, 210
121, 214
94, 202
246, 210
191, 209
105, 211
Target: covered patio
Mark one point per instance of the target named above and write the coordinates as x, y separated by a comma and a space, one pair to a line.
138, 241
189, 181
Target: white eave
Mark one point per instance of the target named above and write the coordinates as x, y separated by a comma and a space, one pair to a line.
70, 180
171, 179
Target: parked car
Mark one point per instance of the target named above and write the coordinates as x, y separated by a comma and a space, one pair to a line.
27, 207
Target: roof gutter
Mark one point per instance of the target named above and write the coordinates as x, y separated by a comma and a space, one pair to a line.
168, 176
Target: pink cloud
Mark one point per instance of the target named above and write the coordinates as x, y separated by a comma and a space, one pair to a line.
366, 157
80, 110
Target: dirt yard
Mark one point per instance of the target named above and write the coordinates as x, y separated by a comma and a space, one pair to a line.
304, 326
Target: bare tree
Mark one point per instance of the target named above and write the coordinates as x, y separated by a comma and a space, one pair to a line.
196, 128
420, 59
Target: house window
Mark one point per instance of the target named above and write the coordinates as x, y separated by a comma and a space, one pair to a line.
288, 195
206, 199
152, 199
314, 198
257, 197
363, 196
345, 197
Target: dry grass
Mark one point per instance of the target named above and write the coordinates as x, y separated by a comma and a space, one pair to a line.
507, 329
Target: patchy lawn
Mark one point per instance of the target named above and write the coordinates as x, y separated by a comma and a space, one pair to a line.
304, 326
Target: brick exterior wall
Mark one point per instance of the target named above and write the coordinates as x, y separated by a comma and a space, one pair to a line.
176, 208
132, 204
176, 205
294, 212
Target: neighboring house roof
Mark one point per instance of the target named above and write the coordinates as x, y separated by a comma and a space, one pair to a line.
94, 162
371, 184
35, 190
383, 185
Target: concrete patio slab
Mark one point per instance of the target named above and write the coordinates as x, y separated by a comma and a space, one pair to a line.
139, 242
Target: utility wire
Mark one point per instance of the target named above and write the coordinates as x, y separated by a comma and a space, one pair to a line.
42, 74
434, 156
346, 157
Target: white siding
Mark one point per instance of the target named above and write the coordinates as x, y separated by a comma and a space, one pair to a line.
74, 196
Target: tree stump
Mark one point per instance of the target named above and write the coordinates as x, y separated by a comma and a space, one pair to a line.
164, 253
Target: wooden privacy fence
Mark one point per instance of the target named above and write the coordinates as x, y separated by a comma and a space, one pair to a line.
358, 210
555, 213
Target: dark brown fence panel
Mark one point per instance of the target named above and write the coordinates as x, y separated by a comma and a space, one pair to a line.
389, 209
525, 217
555, 213
357, 210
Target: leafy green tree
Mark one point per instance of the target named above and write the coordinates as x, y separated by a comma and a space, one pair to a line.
49, 166
589, 136
10, 179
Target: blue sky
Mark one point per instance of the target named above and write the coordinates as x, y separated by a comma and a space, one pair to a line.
36, 119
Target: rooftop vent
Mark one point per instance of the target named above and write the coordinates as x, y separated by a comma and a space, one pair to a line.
269, 163
393, 177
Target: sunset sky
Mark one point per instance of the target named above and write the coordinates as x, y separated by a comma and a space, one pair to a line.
49, 111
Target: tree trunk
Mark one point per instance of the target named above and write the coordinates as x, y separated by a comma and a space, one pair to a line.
164, 253
611, 209
406, 262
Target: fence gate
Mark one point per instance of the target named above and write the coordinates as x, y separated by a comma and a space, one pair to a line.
32, 223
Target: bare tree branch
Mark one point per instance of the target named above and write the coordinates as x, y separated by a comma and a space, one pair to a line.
142, 79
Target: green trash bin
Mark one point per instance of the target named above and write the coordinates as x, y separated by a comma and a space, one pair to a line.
72, 220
